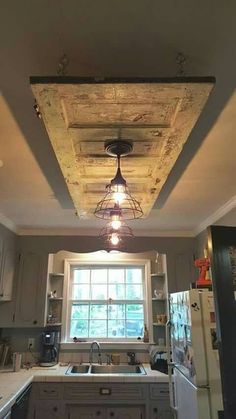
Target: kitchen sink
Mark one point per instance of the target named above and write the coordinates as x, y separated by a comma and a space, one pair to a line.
106, 369
117, 369
78, 369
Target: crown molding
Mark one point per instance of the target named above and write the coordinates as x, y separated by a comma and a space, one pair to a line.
213, 218
219, 213
6, 222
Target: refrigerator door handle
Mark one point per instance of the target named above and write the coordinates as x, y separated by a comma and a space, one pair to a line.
171, 365
172, 396
206, 386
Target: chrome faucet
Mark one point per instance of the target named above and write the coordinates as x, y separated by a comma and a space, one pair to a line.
93, 344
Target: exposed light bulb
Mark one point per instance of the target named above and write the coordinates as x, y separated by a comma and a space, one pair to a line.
118, 192
114, 239
116, 224
115, 218
119, 197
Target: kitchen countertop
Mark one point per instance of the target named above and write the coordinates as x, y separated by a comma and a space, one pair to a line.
13, 383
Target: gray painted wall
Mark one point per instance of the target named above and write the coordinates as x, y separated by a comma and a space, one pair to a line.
179, 252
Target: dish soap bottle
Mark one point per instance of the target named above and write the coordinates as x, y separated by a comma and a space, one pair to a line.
145, 334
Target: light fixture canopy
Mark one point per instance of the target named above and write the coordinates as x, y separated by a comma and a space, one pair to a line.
117, 199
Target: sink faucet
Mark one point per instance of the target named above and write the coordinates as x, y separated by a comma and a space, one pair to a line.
95, 344
132, 358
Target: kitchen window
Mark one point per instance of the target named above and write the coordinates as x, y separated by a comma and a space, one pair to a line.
106, 301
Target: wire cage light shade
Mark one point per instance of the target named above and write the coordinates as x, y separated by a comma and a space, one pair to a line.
118, 197
115, 238
129, 207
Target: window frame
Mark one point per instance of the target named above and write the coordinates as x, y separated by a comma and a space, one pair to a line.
109, 261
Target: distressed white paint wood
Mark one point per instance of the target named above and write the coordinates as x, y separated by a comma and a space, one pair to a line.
157, 117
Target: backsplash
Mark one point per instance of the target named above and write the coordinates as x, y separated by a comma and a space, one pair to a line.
18, 340
83, 357
79, 357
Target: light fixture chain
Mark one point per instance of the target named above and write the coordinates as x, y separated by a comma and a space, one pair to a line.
181, 60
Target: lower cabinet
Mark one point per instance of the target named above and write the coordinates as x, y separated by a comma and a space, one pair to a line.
160, 402
85, 412
125, 412
160, 412
95, 412
88, 400
46, 409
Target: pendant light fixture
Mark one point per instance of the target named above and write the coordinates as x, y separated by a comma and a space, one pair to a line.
118, 204
115, 238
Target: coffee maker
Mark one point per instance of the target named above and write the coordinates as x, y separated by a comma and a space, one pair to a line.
50, 346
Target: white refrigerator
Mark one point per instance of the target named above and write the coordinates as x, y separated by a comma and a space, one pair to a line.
195, 383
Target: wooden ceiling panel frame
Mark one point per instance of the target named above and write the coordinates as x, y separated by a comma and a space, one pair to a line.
79, 114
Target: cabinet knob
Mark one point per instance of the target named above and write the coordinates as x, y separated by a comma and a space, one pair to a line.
1, 295
112, 414
35, 322
55, 409
98, 413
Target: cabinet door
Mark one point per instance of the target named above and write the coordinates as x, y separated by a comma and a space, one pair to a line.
127, 412
31, 290
86, 412
158, 412
47, 410
7, 267
7, 272
1, 263
165, 414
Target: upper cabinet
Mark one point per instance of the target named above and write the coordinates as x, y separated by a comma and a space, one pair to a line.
31, 290
7, 268
32, 304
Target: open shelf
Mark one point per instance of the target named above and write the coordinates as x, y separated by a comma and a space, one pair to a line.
52, 274
159, 300
161, 275
159, 325
54, 309
53, 324
55, 298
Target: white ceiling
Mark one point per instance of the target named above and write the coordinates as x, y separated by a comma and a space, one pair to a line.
124, 39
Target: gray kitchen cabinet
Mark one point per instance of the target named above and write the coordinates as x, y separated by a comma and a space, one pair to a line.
7, 268
98, 411
46, 401
127, 412
7, 280
89, 400
160, 405
31, 290
85, 412
46, 410
160, 412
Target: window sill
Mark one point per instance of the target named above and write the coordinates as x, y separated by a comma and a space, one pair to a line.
142, 346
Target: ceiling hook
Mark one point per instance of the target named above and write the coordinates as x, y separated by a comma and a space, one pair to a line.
62, 68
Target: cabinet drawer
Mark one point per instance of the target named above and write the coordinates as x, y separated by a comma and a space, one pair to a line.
48, 391
159, 391
103, 391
